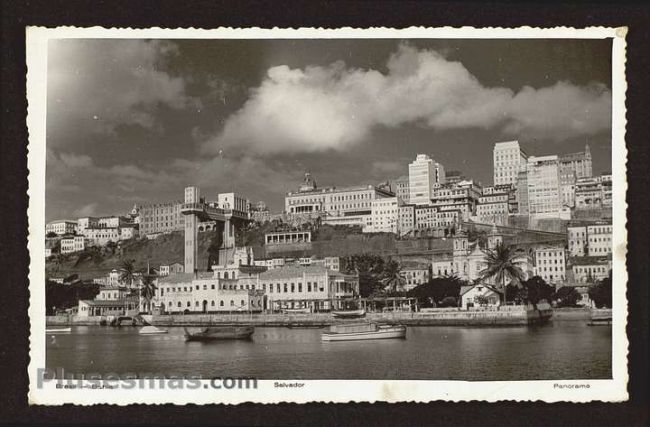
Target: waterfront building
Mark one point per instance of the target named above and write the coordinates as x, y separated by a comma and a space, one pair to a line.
161, 218
479, 295
287, 237
204, 292
117, 307
424, 175
550, 264
590, 269
338, 206
61, 227
111, 293
508, 160
73, 244
313, 287
173, 268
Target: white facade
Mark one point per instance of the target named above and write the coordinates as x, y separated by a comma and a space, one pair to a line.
385, 215
550, 264
61, 227
73, 244
233, 201
161, 218
543, 185
415, 276
590, 269
471, 297
593, 192
508, 159
86, 222
599, 239
593, 239
406, 219
424, 174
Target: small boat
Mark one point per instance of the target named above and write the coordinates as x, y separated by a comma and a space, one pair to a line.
601, 316
220, 333
297, 310
57, 330
349, 313
151, 330
363, 331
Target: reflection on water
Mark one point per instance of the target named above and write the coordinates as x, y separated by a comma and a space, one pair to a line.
561, 350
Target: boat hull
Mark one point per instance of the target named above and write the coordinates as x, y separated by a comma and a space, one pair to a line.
58, 330
349, 314
151, 330
392, 332
219, 334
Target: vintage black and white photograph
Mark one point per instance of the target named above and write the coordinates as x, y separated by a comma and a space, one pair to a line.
254, 214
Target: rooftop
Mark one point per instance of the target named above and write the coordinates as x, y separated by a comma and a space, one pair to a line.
185, 277
292, 271
590, 260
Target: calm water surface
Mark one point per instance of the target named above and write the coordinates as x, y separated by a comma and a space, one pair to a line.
561, 350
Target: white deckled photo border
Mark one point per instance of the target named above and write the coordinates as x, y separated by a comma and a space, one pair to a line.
336, 391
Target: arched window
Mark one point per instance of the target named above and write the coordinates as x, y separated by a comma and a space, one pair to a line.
170, 303
212, 304
188, 304
232, 303
221, 303
179, 304
225, 275
196, 303
242, 303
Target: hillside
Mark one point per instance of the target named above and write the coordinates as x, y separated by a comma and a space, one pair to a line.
96, 262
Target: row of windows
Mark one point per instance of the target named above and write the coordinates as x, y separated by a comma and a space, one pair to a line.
212, 304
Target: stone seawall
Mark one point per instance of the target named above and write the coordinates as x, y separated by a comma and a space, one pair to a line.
444, 317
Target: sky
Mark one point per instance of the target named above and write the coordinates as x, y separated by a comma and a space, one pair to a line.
135, 121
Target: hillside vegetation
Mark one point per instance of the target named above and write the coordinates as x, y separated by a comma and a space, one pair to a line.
95, 262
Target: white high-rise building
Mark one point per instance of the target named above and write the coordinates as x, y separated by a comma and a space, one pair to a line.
424, 175
544, 196
508, 160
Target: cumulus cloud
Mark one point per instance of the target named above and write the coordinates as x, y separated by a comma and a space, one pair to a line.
100, 84
332, 107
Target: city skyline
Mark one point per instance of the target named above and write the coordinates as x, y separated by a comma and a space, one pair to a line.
111, 148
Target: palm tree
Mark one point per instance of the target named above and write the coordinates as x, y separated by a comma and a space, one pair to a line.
392, 276
501, 265
127, 276
148, 290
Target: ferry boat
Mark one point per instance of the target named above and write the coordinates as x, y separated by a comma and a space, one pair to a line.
297, 310
220, 333
57, 330
151, 330
349, 313
363, 331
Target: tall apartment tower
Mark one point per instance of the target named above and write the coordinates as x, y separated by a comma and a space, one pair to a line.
508, 160
424, 175
544, 194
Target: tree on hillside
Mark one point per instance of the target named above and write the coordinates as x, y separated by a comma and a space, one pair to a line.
501, 266
127, 275
392, 277
601, 293
51, 234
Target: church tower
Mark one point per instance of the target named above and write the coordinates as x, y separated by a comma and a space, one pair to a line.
494, 238
461, 242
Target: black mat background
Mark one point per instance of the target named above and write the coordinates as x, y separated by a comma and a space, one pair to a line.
14, 258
